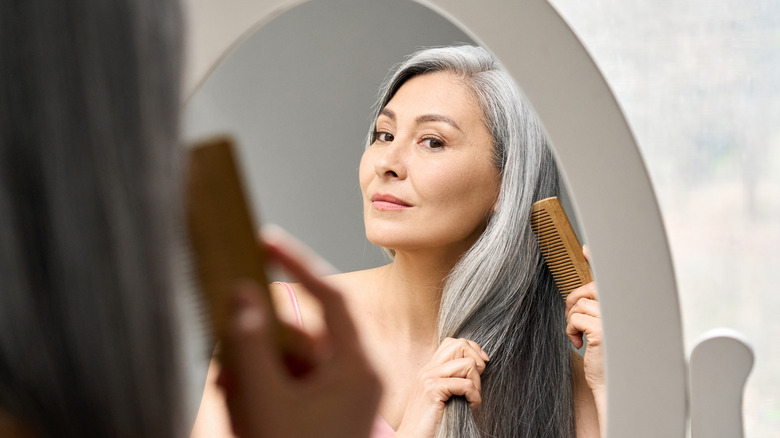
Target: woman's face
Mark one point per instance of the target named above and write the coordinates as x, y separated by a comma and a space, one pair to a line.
428, 179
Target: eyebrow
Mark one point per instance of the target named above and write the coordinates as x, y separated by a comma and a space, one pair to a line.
424, 118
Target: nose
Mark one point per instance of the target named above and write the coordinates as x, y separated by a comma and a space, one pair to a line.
392, 160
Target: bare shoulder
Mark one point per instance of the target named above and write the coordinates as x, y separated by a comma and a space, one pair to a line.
354, 283
287, 297
586, 415
213, 418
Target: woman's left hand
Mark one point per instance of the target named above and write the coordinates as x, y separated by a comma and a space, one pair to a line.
583, 316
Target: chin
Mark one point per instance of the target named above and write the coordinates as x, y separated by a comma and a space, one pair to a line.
383, 242
389, 240
402, 243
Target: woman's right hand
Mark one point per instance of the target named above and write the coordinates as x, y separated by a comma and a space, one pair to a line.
454, 369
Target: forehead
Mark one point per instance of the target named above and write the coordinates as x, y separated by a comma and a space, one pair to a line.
436, 93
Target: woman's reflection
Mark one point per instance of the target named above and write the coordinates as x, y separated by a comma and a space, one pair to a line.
467, 311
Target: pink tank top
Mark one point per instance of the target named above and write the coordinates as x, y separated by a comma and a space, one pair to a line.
380, 428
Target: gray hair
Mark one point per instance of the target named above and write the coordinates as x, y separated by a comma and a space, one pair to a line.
501, 294
89, 169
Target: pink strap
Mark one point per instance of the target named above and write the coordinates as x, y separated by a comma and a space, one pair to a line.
381, 429
293, 302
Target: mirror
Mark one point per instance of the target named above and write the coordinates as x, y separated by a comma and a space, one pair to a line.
615, 204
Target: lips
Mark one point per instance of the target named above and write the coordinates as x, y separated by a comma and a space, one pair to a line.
382, 201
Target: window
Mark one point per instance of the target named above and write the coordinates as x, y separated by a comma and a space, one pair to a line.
699, 82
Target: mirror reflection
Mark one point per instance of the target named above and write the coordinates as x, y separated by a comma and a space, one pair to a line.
453, 160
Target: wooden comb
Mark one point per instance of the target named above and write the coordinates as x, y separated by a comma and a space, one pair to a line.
222, 233
559, 245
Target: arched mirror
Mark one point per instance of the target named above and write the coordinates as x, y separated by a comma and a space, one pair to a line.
299, 79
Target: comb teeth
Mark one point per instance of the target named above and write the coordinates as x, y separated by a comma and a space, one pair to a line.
221, 229
559, 245
190, 301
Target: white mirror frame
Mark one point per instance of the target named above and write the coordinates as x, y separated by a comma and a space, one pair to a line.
600, 161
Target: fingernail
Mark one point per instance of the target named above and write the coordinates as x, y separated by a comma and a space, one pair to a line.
240, 300
249, 319
246, 316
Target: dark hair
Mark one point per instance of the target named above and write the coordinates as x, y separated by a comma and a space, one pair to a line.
89, 98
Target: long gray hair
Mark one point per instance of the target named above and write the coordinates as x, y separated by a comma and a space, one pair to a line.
500, 294
89, 109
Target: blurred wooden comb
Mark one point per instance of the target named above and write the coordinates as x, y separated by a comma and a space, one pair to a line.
222, 233
559, 245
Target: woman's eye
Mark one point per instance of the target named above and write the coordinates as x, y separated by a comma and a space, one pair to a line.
383, 137
433, 143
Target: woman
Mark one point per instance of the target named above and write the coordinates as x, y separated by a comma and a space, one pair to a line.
89, 214
465, 325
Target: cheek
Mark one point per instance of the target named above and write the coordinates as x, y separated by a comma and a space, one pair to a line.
466, 185
465, 200
365, 172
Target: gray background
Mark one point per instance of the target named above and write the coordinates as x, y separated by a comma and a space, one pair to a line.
297, 96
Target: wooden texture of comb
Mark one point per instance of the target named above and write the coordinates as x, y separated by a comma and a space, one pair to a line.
559, 245
222, 233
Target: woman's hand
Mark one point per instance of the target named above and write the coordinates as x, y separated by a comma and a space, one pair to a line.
269, 394
455, 369
583, 316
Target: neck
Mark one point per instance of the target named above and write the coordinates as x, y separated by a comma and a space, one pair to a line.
409, 291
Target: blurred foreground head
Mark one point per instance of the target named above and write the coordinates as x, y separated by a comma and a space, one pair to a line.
89, 97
